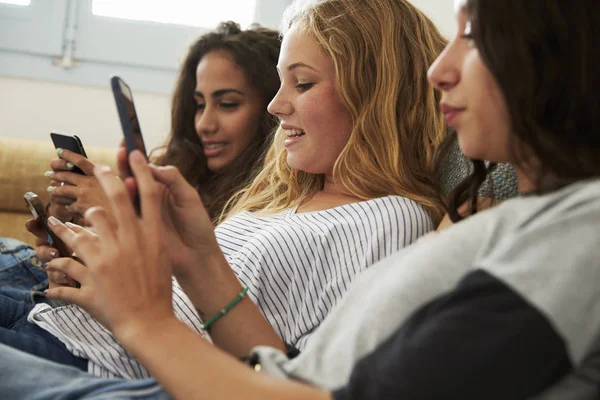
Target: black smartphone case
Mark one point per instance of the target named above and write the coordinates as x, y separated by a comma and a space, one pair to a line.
131, 142
71, 143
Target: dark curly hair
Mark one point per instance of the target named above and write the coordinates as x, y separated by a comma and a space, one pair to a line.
543, 55
256, 51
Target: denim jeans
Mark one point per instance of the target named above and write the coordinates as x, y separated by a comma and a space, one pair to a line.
23, 376
22, 275
18, 333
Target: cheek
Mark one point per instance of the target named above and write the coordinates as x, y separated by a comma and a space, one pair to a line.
328, 118
242, 129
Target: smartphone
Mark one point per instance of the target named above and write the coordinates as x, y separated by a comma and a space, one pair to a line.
128, 116
71, 143
38, 210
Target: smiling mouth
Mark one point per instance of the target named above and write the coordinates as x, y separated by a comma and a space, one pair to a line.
295, 133
214, 146
214, 149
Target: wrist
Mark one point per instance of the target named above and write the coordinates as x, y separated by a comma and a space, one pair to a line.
139, 332
210, 285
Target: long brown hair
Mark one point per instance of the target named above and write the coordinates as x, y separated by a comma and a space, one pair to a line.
256, 51
543, 55
381, 50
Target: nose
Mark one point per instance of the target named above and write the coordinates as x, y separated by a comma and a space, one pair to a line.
206, 121
280, 105
444, 73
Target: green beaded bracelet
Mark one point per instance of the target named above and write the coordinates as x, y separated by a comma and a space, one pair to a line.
225, 309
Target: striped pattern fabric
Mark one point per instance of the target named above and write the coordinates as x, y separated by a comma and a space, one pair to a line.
86, 338
296, 266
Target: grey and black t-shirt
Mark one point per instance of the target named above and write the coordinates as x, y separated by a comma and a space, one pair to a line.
503, 305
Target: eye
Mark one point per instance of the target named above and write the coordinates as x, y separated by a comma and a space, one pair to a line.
200, 106
230, 106
303, 87
467, 32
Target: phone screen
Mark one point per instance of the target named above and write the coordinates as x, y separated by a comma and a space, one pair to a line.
129, 119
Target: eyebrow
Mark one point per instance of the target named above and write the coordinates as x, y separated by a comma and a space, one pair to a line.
218, 93
298, 65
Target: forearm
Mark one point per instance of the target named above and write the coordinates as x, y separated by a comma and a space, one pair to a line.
190, 368
243, 327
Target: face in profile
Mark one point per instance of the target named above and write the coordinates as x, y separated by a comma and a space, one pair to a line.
228, 111
316, 123
471, 101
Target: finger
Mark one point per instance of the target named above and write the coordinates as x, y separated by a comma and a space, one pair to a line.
78, 160
44, 252
60, 278
101, 222
66, 191
122, 207
70, 267
171, 177
67, 177
69, 294
34, 226
61, 165
76, 208
62, 231
131, 187
123, 163
148, 188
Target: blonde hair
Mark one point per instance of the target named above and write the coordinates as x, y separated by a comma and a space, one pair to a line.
381, 50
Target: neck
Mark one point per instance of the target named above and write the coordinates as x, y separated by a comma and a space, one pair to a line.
330, 187
524, 180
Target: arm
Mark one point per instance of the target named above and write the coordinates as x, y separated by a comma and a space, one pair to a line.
190, 368
482, 340
212, 294
135, 302
199, 264
189, 245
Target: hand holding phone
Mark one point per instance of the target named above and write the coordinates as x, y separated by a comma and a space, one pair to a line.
39, 212
71, 143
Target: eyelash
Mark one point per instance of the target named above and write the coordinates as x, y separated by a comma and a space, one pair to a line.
226, 106
303, 87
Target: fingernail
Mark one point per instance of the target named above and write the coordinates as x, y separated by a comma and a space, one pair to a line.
52, 221
53, 254
48, 174
70, 165
137, 157
50, 189
59, 151
101, 168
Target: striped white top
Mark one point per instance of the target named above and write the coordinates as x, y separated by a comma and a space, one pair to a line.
86, 338
296, 266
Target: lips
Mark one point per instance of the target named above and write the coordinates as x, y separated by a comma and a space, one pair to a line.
293, 137
214, 149
450, 113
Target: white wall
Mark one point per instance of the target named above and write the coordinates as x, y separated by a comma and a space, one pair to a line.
30, 109
441, 13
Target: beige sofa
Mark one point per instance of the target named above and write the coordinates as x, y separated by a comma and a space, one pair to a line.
22, 167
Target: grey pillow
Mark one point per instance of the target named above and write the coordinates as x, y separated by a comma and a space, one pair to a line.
501, 184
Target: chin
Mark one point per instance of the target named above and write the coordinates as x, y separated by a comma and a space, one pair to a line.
216, 166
